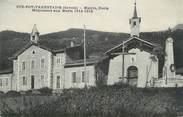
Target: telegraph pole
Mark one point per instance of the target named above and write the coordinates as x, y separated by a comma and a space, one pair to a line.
123, 53
85, 56
123, 61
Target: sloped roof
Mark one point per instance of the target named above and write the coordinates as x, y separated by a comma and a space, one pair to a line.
132, 43
6, 71
52, 50
34, 30
80, 62
26, 47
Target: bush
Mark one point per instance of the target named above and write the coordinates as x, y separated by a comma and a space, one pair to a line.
1, 93
36, 92
28, 92
45, 91
13, 93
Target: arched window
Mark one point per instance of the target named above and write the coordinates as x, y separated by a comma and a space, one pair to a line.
134, 23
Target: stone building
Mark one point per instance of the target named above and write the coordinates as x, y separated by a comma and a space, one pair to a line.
36, 66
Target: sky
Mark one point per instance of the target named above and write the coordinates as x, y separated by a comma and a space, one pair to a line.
156, 15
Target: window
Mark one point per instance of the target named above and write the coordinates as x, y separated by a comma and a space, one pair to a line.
6, 82
24, 80
73, 77
134, 23
58, 60
133, 58
1, 83
58, 81
32, 81
32, 64
42, 80
42, 63
33, 37
23, 65
83, 76
51, 81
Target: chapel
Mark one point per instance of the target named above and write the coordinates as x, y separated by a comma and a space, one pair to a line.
137, 61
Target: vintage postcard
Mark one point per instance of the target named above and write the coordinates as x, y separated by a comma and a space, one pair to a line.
89, 58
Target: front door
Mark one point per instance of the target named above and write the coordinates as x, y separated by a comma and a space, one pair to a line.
32, 82
132, 73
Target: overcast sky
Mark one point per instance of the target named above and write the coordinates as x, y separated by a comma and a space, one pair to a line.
156, 15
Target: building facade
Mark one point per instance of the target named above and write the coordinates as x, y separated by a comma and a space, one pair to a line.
135, 66
36, 66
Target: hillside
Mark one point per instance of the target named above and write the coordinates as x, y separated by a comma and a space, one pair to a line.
97, 42
178, 26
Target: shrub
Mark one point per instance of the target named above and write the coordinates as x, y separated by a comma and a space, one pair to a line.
28, 92
1, 93
22, 92
36, 92
45, 91
13, 93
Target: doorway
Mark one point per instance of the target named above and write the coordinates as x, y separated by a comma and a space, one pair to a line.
132, 75
32, 81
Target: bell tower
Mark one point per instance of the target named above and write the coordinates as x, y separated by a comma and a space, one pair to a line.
135, 23
34, 36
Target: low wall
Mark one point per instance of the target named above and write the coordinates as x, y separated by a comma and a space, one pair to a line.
169, 82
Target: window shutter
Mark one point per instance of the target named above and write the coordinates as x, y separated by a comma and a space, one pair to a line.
21, 81
78, 77
87, 76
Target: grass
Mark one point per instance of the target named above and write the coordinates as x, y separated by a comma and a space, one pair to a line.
118, 100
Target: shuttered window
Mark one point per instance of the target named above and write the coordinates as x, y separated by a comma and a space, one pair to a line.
73, 77
1, 83
6, 82
78, 77
23, 65
87, 76
24, 80
58, 61
42, 80
83, 76
32, 64
42, 63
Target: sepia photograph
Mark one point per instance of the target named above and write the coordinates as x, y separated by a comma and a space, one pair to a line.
91, 58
